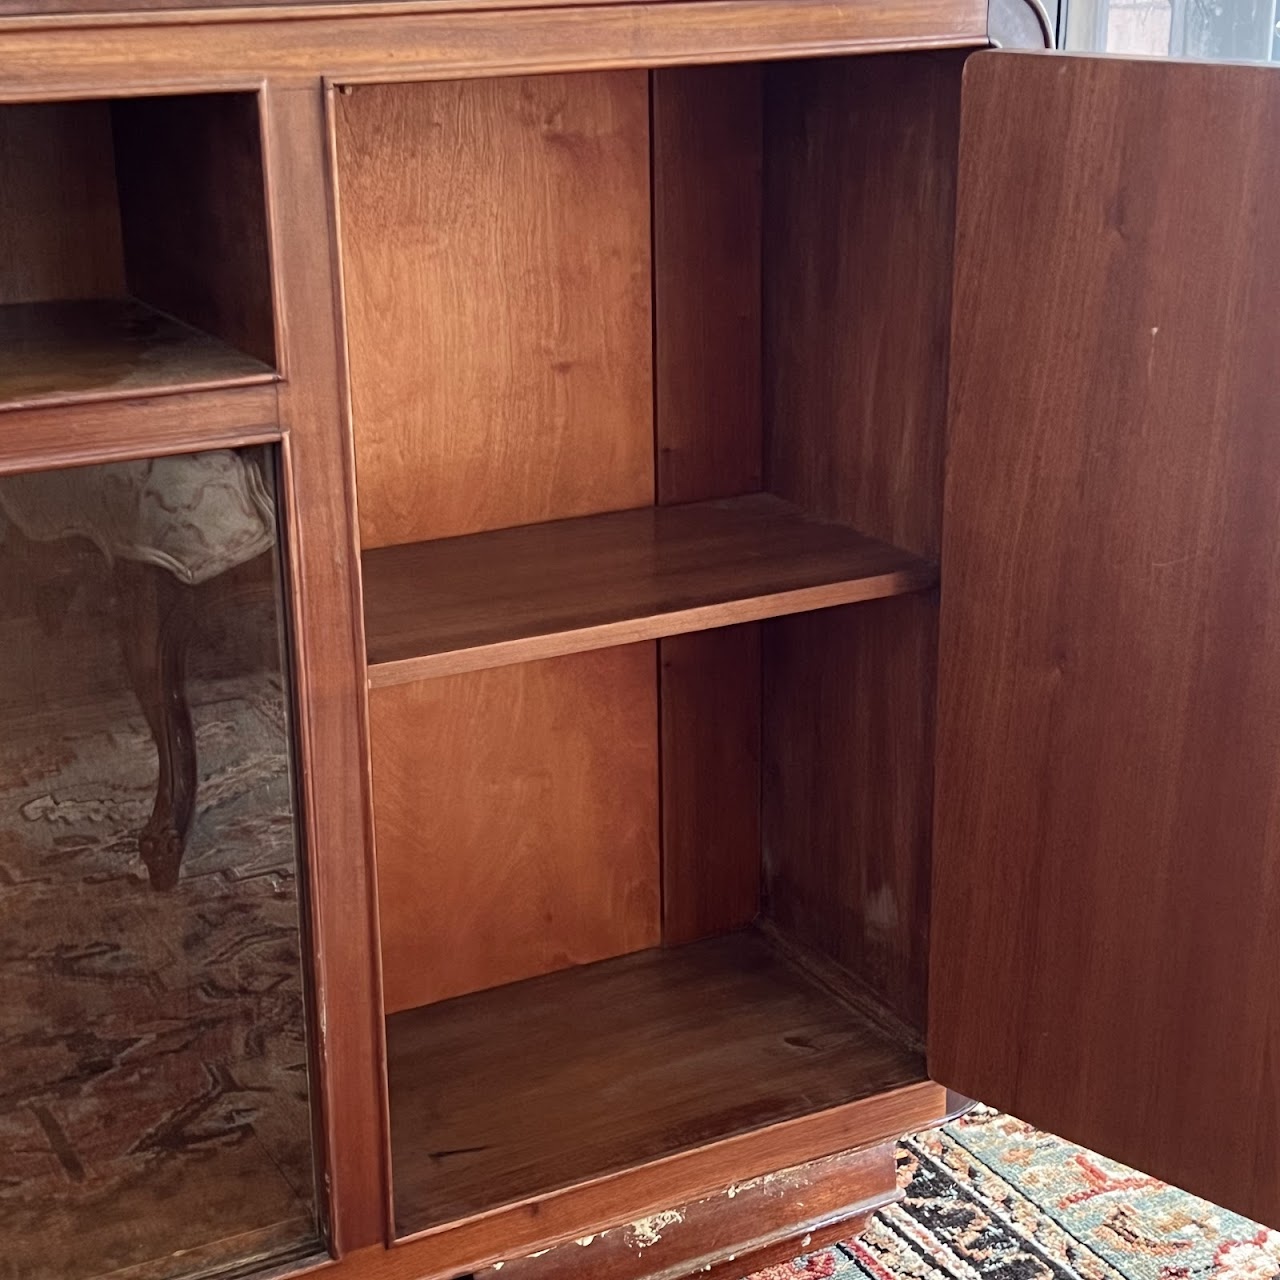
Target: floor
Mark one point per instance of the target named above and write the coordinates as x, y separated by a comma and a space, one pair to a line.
990, 1198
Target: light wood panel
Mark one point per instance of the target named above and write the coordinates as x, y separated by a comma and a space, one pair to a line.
193, 212
860, 166
535, 1087
59, 218
709, 684
495, 241
516, 816
515, 594
706, 281
439, 44
65, 352
1108, 808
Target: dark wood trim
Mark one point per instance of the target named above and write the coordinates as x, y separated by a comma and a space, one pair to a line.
734, 1232
152, 59
115, 430
330, 643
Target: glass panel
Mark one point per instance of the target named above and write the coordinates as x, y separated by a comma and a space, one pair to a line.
1221, 30
154, 1084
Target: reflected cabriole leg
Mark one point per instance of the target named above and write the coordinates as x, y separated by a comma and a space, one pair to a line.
155, 618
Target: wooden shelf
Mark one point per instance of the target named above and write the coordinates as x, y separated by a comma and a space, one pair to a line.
101, 349
458, 604
529, 1088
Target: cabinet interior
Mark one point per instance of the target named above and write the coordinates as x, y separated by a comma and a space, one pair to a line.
133, 248
648, 386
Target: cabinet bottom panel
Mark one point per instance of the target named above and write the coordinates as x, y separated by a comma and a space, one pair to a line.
710, 1062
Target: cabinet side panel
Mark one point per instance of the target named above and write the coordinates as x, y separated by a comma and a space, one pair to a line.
860, 169
860, 163
1107, 893
496, 265
516, 821
848, 733
194, 213
59, 219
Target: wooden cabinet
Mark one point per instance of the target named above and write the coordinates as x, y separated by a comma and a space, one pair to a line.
780, 513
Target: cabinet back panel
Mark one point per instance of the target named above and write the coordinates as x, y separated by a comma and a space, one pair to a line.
495, 238
59, 218
706, 281
710, 695
707, 144
516, 816
859, 175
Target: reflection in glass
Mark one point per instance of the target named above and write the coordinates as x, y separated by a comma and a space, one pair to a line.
1221, 30
154, 1112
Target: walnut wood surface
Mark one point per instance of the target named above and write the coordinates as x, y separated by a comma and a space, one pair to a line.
709, 682
857, 285
706, 281
64, 352
529, 1088
65, 60
193, 213
495, 242
1106, 905
59, 217
109, 430
448, 1251
733, 1232
515, 594
328, 644
516, 819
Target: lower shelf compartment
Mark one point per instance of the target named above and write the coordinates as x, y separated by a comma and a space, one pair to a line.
530, 1088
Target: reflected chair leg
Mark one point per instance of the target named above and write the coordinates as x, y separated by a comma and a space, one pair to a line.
155, 614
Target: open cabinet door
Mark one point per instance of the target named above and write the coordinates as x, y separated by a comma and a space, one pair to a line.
1105, 949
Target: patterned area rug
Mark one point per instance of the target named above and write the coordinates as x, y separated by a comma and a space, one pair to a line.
990, 1198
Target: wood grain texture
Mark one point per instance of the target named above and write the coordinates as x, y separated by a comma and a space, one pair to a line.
848, 739
515, 594
535, 1087
709, 684
193, 212
706, 281
578, 1211
734, 1232
495, 241
1110, 695
99, 349
111, 430
59, 218
328, 643
857, 287
516, 817
62, 60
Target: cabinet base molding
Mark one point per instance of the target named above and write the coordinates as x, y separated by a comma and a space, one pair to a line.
750, 1225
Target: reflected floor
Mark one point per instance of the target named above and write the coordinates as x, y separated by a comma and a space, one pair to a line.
153, 1079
